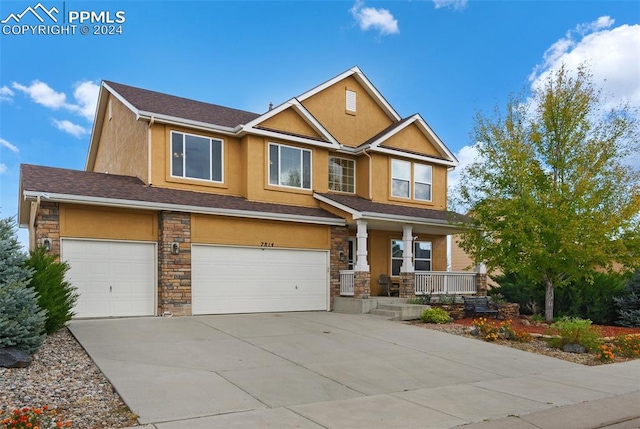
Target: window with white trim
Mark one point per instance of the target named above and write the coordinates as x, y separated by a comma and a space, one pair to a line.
406, 183
421, 256
342, 173
289, 166
196, 157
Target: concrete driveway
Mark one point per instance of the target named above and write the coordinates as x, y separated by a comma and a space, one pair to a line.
329, 370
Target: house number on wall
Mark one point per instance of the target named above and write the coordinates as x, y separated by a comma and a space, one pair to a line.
266, 244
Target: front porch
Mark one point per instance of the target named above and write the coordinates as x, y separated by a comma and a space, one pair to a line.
419, 283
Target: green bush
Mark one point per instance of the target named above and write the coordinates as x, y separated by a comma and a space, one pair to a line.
12, 258
628, 305
515, 288
435, 315
21, 319
571, 330
55, 295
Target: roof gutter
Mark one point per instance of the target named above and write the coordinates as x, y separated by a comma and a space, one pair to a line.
173, 120
149, 205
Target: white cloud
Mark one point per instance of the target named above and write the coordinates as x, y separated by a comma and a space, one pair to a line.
612, 55
377, 19
5, 93
3, 168
9, 146
85, 95
466, 156
43, 94
451, 4
69, 127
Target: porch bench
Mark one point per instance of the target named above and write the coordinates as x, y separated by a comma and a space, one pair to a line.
479, 306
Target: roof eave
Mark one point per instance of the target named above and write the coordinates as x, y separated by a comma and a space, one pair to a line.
149, 205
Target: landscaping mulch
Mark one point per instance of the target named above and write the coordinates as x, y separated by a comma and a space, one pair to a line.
462, 327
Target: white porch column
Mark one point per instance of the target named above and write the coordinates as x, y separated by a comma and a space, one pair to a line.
361, 246
407, 253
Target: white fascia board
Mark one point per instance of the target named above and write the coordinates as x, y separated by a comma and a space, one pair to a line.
362, 79
134, 204
423, 158
353, 212
287, 137
121, 98
408, 219
445, 150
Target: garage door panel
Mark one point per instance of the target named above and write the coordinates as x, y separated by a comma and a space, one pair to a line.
112, 278
248, 280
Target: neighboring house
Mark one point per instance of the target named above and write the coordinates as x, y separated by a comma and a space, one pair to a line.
186, 207
461, 261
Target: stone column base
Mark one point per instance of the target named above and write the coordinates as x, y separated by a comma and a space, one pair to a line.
407, 285
361, 284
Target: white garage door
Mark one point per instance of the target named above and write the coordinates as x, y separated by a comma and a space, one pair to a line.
113, 278
254, 280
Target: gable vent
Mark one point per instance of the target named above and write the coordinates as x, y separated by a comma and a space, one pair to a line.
351, 100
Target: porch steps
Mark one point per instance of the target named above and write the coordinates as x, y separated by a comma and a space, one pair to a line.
387, 307
387, 314
404, 311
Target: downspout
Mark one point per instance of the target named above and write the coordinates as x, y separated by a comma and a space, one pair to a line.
151, 121
33, 215
370, 182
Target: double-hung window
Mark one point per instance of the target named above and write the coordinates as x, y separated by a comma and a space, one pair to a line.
421, 256
342, 172
196, 157
289, 166
407, 181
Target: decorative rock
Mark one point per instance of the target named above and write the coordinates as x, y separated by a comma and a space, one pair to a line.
574, 348
525, 322
14, 358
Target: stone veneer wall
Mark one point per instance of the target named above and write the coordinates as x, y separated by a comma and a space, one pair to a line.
361, 284
174, 270
481, 284
48, 225
407, 285
339, 238
510, 310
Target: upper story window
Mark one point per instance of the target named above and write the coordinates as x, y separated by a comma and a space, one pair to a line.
196, 157
405, 182
289, 166
342, 173
351, 101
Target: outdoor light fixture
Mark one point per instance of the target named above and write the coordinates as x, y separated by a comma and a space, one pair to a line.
342, 257
175, 248
47, 244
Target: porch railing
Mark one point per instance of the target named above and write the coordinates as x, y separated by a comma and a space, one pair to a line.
346, 282
445, 282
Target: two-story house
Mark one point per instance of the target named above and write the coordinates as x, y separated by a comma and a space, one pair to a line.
186, 207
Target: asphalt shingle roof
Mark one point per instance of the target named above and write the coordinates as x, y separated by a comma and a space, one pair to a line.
52, 180
171, 105
364, 205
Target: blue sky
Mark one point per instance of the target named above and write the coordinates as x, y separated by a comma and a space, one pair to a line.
445, 59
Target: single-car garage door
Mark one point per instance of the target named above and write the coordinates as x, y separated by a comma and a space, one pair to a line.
113, 278
253, 280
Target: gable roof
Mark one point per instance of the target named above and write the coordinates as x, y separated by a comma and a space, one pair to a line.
366, 84
83, 187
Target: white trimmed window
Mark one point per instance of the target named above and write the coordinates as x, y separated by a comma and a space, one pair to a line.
196, 157
289, 166
421, 256
351, 101
342, 173
404, 184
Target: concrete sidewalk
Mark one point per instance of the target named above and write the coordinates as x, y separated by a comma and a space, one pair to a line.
318, 369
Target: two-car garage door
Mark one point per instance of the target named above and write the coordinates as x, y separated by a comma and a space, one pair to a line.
118, 278
257, 279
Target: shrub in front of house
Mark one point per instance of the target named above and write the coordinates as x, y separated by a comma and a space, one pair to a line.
572, 330
55, 295
435, 315
21, 319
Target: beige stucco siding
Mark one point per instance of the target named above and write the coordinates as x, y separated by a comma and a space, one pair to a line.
412, 139
289, 121
80, 221
248, 232
123, 143
329, 107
